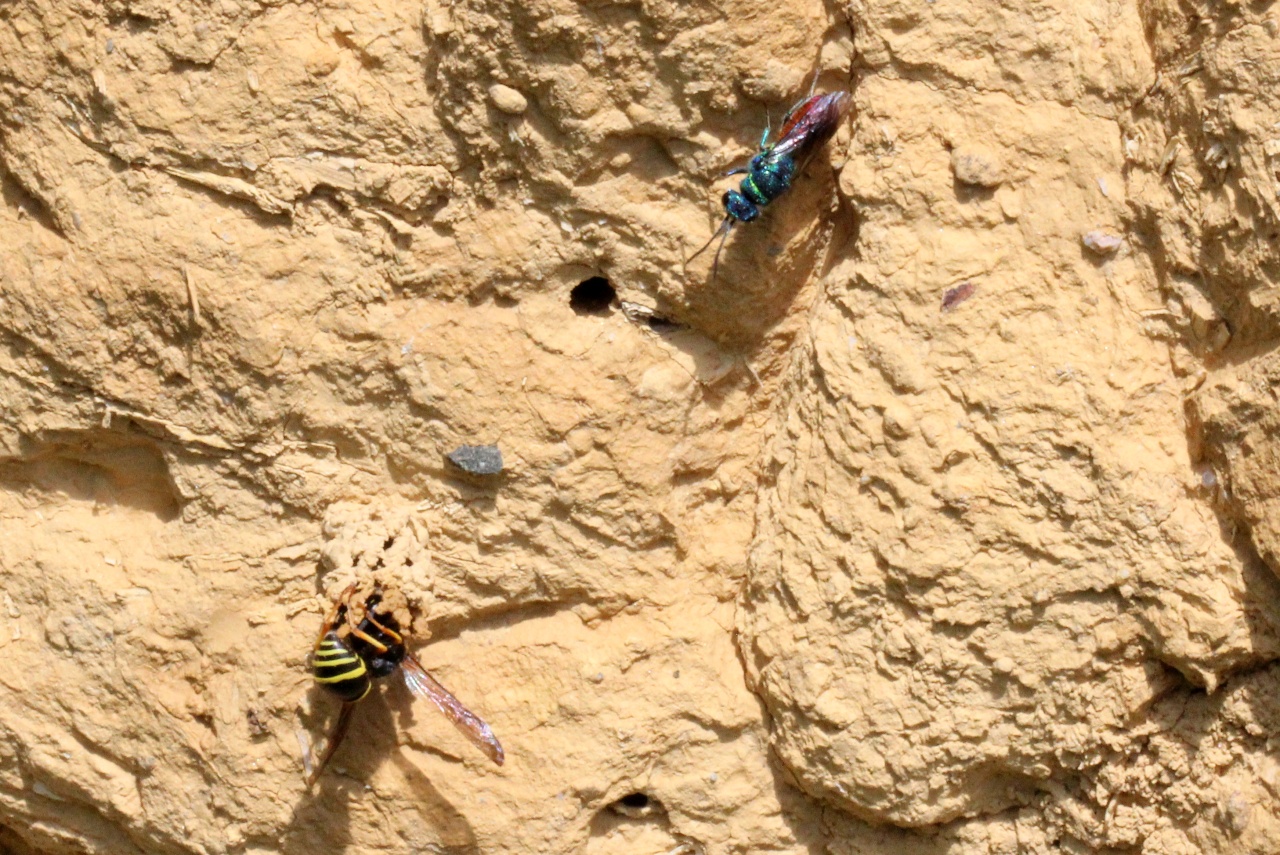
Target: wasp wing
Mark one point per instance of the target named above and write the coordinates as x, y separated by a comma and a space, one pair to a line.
335, 739
422, 684
809, 125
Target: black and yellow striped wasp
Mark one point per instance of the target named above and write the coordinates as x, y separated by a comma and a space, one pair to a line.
351, 653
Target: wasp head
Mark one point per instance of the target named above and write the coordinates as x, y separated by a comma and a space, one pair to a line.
739, 207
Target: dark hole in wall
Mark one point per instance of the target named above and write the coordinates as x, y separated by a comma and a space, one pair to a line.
592, 296
636, 806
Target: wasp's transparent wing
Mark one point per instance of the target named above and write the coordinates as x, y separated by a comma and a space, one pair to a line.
313, 769
422, 684
809, 125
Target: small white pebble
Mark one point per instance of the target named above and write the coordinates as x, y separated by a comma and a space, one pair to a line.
1103, 243
42, 790
508, 100
1238, 812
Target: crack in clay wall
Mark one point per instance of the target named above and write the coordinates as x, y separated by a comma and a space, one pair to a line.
812, 565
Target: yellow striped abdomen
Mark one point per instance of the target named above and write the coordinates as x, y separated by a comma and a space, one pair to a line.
339, 669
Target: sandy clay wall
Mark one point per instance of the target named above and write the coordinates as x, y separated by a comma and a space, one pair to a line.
790, 560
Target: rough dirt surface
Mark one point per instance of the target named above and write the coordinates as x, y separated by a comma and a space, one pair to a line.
943, 520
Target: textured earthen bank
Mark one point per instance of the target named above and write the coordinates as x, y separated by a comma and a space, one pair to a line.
807, 564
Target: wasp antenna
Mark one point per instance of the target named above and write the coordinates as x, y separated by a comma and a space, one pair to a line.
710, 240
726, 228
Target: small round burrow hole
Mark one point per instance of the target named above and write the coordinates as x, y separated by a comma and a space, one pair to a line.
592, 296
636, 806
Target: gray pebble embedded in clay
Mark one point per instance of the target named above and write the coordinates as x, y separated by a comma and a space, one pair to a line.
477, 459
